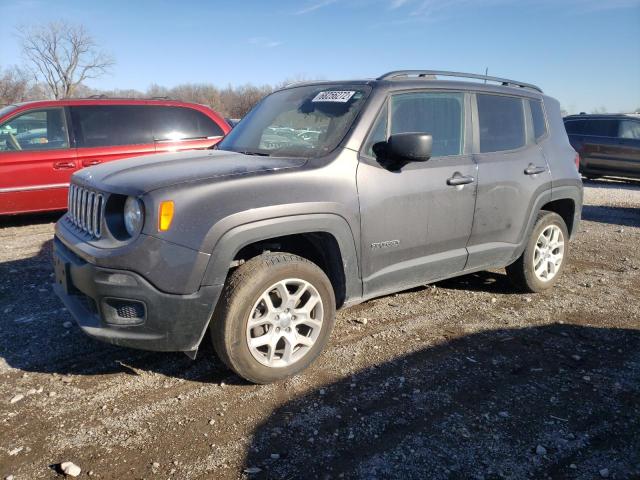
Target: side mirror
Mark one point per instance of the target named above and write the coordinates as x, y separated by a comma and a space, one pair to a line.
411, 146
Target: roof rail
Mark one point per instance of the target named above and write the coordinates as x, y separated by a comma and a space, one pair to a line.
442, 73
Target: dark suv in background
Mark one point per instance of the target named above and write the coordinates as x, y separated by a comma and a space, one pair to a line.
325, 195
608, 145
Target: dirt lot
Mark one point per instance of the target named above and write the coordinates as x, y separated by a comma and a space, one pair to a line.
463, 379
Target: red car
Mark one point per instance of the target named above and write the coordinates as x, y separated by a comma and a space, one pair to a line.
42, 143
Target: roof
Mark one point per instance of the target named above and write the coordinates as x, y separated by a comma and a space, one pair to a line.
20, 107
602, 116
105, 101
408, 79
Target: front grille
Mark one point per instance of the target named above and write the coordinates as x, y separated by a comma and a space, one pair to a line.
85, 210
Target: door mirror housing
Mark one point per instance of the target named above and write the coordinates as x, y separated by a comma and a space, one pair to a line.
411, 146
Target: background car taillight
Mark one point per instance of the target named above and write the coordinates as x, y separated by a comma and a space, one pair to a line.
577, 161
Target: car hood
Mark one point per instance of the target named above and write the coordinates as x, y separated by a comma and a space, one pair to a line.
143, 174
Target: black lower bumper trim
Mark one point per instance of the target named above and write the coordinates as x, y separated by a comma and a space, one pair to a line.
170, 322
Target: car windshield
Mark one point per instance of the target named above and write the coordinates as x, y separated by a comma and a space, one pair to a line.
306, 121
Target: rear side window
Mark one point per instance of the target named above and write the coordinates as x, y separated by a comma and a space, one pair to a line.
36, 130
178, 123
629, 129
574, 127
439, 114
593, 127
110, 125
539, 123
501, 122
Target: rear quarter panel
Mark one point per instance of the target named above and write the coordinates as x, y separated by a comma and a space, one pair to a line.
565, 179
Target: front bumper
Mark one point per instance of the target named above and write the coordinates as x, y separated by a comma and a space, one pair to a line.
122, 308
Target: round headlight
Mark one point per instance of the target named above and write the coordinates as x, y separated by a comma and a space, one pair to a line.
133, 216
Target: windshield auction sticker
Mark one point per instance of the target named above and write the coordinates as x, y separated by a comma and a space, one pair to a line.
340, 96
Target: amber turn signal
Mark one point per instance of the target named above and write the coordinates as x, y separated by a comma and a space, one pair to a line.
165, 215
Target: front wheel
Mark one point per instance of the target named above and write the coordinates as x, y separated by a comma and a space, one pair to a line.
274, 317
542, 262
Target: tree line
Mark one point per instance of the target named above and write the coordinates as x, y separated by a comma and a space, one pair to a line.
60, 57
231, 101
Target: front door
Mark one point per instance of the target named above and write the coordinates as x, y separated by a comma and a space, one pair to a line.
623, 152
416, 220
36, 162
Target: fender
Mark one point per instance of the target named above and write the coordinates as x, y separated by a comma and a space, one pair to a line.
231, 242
536, 204
561, 193
571, 190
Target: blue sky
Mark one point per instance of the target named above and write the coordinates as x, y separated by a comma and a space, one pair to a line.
586, 53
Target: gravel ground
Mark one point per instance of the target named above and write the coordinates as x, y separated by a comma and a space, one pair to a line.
461, 379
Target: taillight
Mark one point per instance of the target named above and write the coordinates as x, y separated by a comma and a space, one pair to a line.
578, 161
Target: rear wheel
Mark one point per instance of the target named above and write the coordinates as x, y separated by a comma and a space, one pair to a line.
542, 262
274, 317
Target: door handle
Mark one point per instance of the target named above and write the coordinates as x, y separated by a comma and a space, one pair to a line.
88, 163
64, 165
459, 179
534, 170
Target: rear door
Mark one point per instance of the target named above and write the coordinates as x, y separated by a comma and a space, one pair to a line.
512, 173
183, 128
110, 132
36, 161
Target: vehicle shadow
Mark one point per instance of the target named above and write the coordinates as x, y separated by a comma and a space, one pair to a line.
613, 183
484, 281
555, 401
30, 219
39, 334
628, 217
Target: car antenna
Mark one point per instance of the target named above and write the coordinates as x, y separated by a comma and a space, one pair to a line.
486, 73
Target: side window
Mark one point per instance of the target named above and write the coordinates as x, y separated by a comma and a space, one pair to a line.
539, 123
574, 127
179, 123
378, 132
629, 129
111, 125
439, 114
501, 122
601, 128
37, 130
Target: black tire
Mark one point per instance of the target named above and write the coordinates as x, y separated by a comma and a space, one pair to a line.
241, 292
521, 272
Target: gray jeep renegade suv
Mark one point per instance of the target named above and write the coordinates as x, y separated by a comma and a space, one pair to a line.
325, 195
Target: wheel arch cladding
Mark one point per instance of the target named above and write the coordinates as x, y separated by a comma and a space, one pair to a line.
565, 207
325, 239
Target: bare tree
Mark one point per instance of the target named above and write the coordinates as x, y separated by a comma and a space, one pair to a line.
239, 100
14, 86
63, 56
